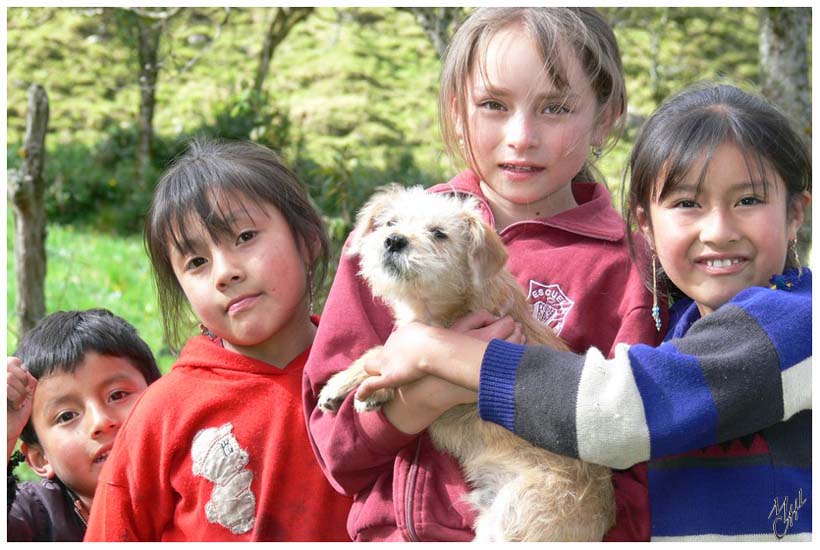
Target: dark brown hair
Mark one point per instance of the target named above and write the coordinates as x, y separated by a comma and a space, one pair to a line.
194, 188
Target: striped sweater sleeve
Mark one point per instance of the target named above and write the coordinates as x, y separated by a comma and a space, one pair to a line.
743, 368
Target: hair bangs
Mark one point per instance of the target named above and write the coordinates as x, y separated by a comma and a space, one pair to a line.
694, 147
206, 200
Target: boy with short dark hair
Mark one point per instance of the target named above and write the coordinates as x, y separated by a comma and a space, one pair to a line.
88, 368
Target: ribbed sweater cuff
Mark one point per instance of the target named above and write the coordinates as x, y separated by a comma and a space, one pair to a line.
496, 387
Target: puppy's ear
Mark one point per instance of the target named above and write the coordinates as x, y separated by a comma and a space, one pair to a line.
486, 251
372, 209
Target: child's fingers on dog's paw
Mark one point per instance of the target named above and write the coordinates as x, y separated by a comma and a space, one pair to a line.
374, 401
372, 366
366, 388
365, 405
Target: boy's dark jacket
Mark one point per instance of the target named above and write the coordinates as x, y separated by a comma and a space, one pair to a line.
44, 512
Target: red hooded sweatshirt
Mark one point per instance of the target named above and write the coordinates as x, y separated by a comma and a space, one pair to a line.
217, 450
576, 269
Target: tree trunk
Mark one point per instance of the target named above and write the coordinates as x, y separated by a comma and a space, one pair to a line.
657, 30
148, 35
26, 189
436, 22
784, 70
282, 22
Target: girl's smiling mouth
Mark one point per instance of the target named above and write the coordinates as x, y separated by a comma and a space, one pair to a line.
722, 265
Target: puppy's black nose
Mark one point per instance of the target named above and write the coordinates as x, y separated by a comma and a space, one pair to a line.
395, 242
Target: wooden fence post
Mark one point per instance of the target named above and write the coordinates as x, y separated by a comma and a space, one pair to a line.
26, 189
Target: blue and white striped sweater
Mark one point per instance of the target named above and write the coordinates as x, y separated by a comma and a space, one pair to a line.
742, 369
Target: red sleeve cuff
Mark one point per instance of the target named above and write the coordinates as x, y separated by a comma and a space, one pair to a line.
382, 435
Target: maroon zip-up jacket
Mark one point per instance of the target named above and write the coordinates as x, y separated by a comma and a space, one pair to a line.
576, 269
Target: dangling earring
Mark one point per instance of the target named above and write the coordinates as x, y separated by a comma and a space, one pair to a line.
597, 151
656, 310
310, 288
205, 331
793, 250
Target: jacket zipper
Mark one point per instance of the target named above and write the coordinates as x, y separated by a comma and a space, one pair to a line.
409, 489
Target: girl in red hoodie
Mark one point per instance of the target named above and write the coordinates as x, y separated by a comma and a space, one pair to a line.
218, 450
528, 96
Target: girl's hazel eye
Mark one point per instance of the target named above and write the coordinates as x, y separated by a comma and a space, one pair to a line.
492, 105
556, 109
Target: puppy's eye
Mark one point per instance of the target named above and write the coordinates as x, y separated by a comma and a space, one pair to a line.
390, 223
438, 233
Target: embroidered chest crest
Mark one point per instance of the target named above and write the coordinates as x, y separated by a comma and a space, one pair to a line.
550, 305
217, 457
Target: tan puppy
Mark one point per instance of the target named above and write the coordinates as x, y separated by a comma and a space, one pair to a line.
432, 259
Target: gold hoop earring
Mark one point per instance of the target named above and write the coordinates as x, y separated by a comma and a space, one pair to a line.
656, 310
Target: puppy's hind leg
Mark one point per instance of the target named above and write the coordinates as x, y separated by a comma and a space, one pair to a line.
532, 508
496, 522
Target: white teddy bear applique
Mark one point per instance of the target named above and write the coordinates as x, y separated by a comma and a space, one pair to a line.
218, 458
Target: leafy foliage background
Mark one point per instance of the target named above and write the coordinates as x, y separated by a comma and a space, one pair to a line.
350, 101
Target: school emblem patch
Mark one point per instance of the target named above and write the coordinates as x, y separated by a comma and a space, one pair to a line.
550, 305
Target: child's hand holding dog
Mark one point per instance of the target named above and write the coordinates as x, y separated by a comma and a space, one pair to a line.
416, 350
19, 397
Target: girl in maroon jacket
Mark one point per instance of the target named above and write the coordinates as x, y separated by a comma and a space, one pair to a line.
525, 123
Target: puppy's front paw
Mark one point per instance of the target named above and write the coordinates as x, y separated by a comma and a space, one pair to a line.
374, 401
330, 403
333, 394
342, 383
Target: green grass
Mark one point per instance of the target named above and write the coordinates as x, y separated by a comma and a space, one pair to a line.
88, 269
